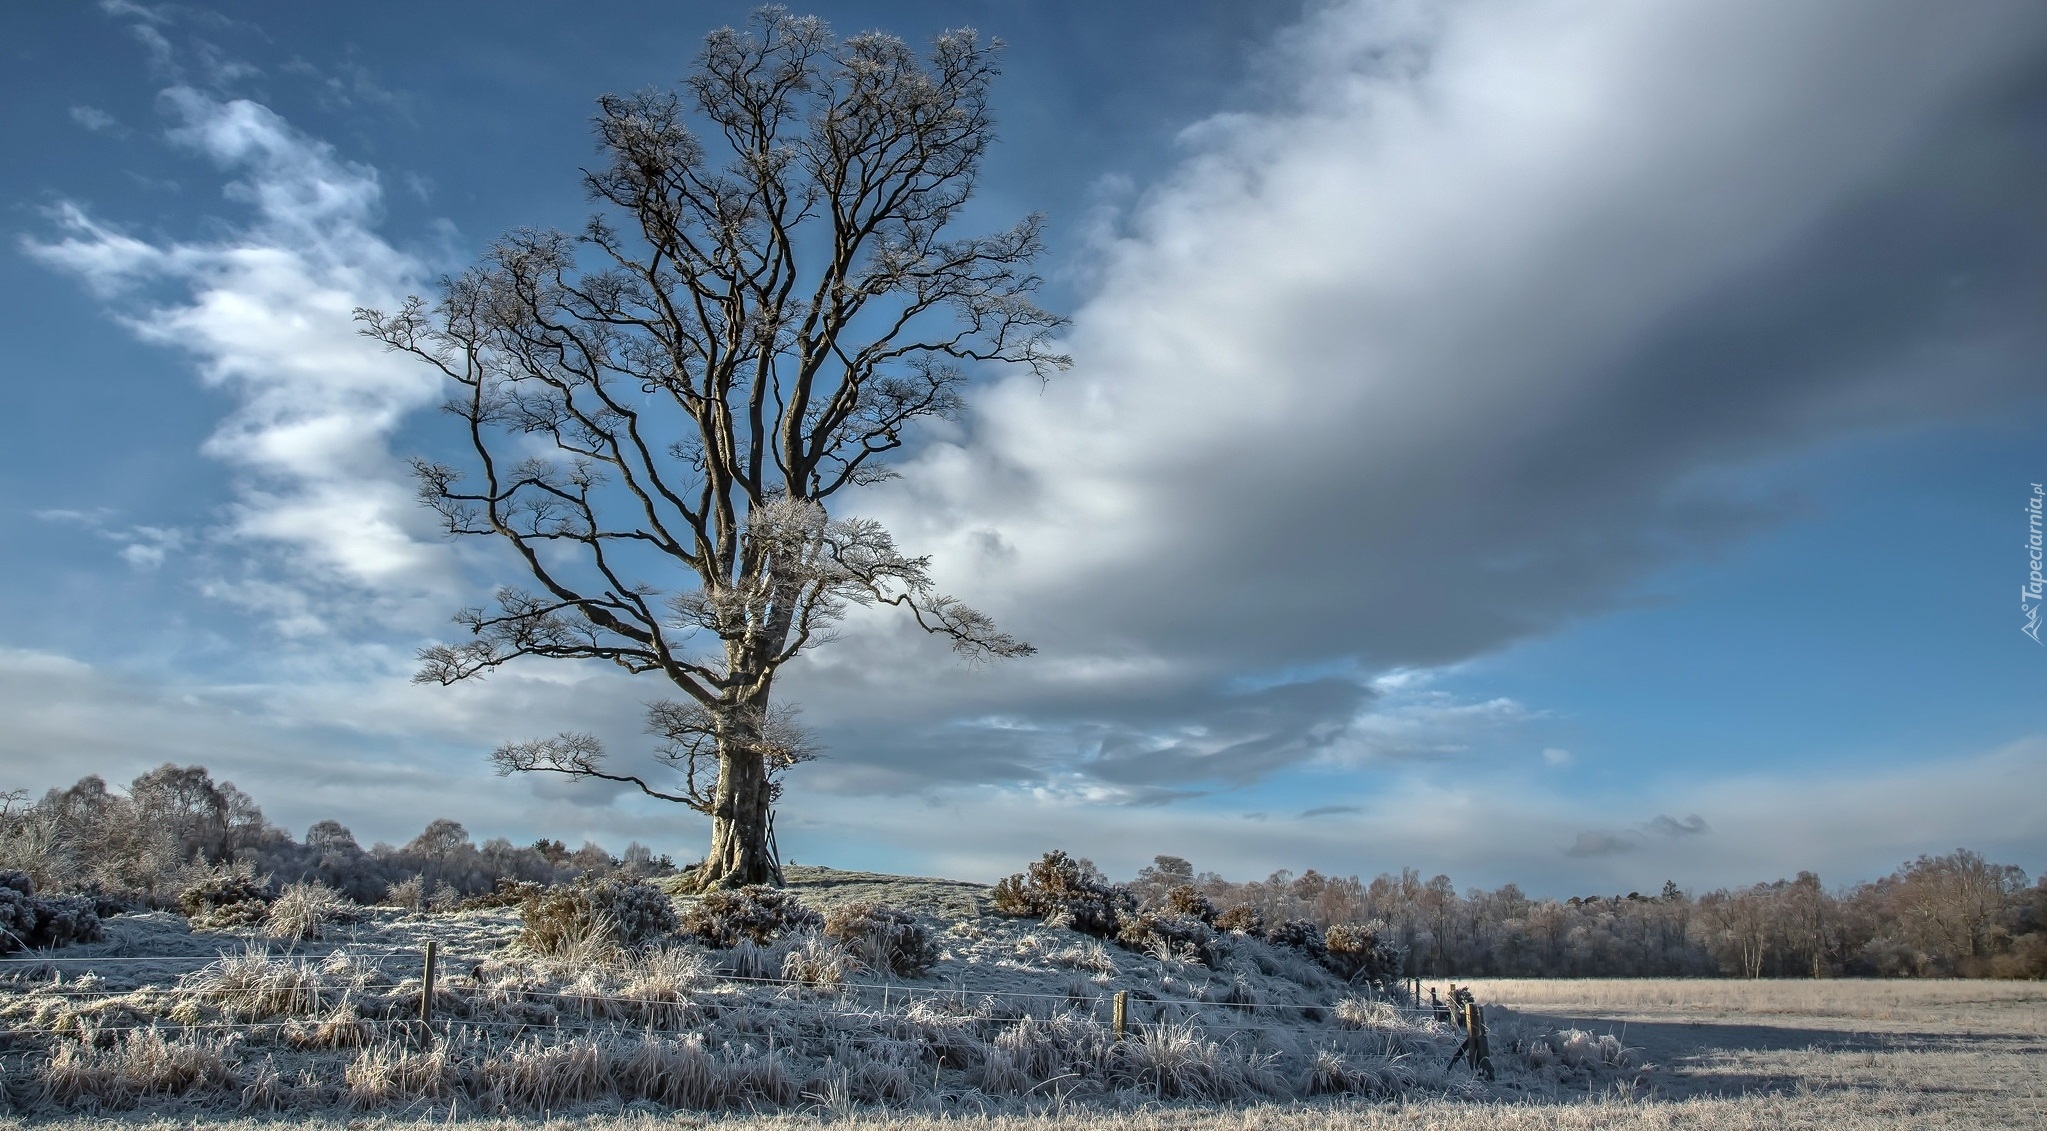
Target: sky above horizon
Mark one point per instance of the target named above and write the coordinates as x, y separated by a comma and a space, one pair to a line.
1574, 444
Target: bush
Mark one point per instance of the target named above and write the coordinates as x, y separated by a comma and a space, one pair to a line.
507, 893
1243, 918
409, 893
882, 938
755, 914
1186, 899
31, 921
1059, 890
1167, 935
226, 896
1354, 952
1298, 934
621, 913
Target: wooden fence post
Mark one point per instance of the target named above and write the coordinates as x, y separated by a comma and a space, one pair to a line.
1474, 1031
426, 983
1119, 1012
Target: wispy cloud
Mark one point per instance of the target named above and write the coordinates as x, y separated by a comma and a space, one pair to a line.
1330, 810
143, 547
265, 312
95, 119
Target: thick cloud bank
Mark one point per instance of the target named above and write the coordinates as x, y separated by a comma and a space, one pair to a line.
1452, 345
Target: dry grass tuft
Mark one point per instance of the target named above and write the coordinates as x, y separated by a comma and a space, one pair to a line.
820, 963
303, 911
142, 1065
533, 1076
390, 1072
1365, 1013
254, 986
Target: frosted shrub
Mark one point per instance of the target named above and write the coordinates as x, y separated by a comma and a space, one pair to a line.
1357, 952
1059, 889
225, 897
755, 914
611, 912
30, 920
1167, 935
882, 938
409, 893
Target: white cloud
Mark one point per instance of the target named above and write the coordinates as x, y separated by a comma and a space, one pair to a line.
1557, 758
1440, 354
266, 313
1845, 823
95, 119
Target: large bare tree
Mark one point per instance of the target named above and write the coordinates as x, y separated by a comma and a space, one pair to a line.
769, 303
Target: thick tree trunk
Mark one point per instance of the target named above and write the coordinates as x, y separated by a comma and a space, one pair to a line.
741, 851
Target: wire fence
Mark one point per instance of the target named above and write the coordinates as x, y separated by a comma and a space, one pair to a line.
880, 1009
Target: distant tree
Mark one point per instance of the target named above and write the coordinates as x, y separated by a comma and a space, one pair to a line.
1951, 906
758, 333
331, 837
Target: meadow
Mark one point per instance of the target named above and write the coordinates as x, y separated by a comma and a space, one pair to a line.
159, 1024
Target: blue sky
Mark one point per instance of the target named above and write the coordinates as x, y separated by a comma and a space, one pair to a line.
1531, 440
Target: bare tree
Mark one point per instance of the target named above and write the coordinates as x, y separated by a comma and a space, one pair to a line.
657, 436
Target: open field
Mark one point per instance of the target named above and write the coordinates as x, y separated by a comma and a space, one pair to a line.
1917, 1001
1006, 1031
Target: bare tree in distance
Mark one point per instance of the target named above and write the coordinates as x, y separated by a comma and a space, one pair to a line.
657, 435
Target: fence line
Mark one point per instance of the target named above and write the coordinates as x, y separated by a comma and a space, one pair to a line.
957, 996
910, 991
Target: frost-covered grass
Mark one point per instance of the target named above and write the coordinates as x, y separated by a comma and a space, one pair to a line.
1011, 1016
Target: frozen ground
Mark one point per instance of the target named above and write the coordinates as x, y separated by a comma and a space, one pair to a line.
162, 1023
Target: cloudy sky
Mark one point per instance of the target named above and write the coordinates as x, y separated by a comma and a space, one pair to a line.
1574, 443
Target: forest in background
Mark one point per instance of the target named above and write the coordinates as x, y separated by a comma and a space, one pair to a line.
1953, 915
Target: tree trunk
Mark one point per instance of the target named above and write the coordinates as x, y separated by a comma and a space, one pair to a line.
741, 851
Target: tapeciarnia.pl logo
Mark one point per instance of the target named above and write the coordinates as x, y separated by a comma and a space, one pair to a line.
2035, 588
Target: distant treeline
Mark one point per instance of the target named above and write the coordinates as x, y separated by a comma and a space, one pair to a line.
1937, 916
141, 848
1956, 915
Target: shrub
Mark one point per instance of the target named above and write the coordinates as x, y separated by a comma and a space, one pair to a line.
226, 896
1186, 899
29, 920
1353, 952
1298, 934
622, 913
409, 893
754, 914
1059, 890
882, 938
507, 893
1166, 935
1243, 918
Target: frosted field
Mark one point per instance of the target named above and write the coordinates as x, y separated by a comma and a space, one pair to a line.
1259, 1039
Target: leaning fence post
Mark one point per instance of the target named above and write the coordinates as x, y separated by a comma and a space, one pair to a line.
1474, 1030
426, 983
1119, 1012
